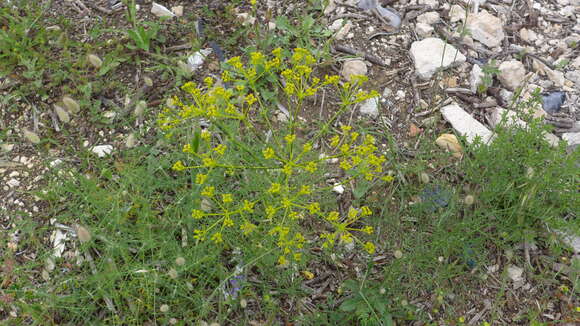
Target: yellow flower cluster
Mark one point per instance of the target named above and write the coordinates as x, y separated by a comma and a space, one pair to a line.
291, 194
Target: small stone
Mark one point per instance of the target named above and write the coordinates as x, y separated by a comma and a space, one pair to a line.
172, 273
164, 308
61, 113
13, 183
180, 261
71, 105
338, 188
31, 136
573, 138
557, 77
131, 141
576, 62
528, 35
469, 200
148, 81
486, 28
398, 254
102, 150
515, 273
450, 143
177, 10
429, 18
6, 147
94, 60
196, 60
49, 264
353, 67
336, 25
370, 107
457, 13
45, 275
83, 234
465, 124
424, 30
343, 32
476, 78
428, 54
246, 19
330, 7
161, 11
512, 74
424, 177
140, 109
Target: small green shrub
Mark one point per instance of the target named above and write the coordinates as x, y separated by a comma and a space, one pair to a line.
270, 193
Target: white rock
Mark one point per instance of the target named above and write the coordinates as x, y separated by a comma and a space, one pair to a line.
177, 10
556, 76
515, 273
12, 183
246, 19
336, 25
428, 53
573, 138
528, 35
196, 60
430, 3
102, 150
330, 7
486, 28
131, 141
58, 242
31, 136
573, 241
457, 13
429, 18
424, 30
62, 113
370, 107
161, 11
55, 163
353, 67
574, 76
495, 116
465, 124
512, 74
6, 147
338, 188
476, 78
576, 62
343, 32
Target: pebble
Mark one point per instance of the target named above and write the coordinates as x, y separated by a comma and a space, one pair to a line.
427, 55
476, 78
424, 30
370, 107
450, 143
62, 114
344, 32
161, 11
465, 124
31, 136
353, 67
456, 13
573, 138
196, 60
13, 183
102, 150
429, 18
512, 74
177, 10
486, 28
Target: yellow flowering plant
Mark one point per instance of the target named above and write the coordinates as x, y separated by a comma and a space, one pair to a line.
266, 190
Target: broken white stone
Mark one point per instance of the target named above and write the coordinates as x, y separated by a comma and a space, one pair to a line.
528, 35
512, 74
573, 138
465, 124
330, 7
424, 30
336, 25
58, 242
353, 67
161, 11
456, 13
556, 76
343, 33
576, 62
102, 150
429, 18
177, 10
476, 78
131, 141
370, 107
571, 240
13, 183
196, 60
433, 53
486, 28
246, 19
515, 274
430, 3
338, 188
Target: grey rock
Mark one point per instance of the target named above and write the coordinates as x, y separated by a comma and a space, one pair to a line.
486, 28
370, 107
512, 74
353, 67
465, 124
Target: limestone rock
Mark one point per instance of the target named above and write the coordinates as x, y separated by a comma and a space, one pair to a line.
476, 78
429, 18
486, 28
512, 74
428, 54
353, 67
465, 124
370, 107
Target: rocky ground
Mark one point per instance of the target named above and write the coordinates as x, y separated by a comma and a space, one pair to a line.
468, 62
